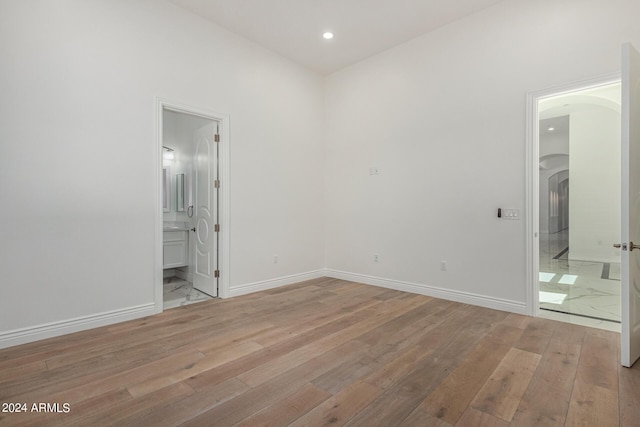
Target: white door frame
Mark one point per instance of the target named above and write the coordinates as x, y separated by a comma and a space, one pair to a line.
532, 160
224, 254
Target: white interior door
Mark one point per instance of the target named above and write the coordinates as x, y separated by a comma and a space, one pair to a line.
205, 262
630, 260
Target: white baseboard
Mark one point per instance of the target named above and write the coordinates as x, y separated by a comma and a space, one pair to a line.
432, 291
54, 329
274, 283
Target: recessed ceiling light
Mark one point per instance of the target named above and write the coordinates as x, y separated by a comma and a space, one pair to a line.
327, 35
551, 129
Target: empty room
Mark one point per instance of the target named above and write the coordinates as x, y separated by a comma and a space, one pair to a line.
320, 212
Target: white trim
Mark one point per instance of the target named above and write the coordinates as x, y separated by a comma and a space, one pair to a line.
532, 178
532, 207
158, 270
224, 259
225, 216
274, 283
432, 291
54, 329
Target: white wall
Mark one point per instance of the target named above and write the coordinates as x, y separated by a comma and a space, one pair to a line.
544, 226
443, 117
594, 176
554, 147
77, 156
554, 143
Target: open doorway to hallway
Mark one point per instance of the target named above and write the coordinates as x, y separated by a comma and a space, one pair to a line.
579, 202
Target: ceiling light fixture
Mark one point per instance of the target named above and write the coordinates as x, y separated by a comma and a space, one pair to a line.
551, 129
327, 35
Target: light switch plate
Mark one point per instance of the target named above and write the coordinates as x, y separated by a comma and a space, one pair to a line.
511, 214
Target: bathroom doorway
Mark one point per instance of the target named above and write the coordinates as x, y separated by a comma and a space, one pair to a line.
193, 211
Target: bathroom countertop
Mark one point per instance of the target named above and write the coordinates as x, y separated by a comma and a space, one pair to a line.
175, 226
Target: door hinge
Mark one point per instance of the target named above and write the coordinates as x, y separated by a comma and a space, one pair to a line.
216, 183
216, 228
216, 137
216, 273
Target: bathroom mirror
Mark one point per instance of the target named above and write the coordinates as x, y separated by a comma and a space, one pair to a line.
166, 190
180, 202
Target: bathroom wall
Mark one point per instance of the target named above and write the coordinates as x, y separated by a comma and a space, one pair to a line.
78, 153
177, 133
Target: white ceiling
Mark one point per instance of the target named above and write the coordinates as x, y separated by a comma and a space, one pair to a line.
362, 28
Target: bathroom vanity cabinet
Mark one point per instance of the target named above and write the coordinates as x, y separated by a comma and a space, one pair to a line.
175, 249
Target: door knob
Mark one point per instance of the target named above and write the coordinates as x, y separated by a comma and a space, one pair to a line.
193, 229
623, 246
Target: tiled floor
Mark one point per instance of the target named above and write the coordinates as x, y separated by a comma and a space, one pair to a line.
178, 292
585, 293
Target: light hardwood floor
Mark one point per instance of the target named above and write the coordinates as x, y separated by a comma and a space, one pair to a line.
326, 352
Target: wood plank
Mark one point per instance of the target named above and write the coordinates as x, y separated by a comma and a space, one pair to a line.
97, 386
594, 399
546, 401
93, 413
501, 394
390, 339
452, 397
536, 335
592, 405
287, 410
447, 345
405, 362
339, 409
518, 320
245, 364
183, 372
475, 418
345, 374
420, 417
371, 318
269, 392
629, 394
599, 362
177, 411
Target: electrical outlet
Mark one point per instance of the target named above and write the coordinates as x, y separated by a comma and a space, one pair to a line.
376, 258
275, 259
443, 265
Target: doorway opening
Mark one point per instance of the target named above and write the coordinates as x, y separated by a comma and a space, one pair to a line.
191, 247
576, 137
